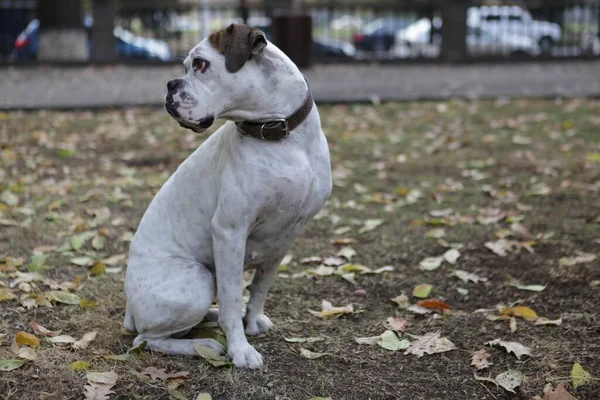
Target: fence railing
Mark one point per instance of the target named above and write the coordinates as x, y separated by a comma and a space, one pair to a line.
347, 31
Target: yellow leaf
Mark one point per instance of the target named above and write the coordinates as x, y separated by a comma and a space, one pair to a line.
98, 269
24, 338
422, 291
80, 365
520, 311
580, 376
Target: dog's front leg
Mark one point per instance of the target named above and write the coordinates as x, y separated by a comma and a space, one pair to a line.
264, 277
229, 248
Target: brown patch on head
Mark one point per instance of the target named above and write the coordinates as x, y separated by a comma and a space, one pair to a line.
238, 43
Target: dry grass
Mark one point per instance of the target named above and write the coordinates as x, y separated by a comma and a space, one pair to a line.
442, 144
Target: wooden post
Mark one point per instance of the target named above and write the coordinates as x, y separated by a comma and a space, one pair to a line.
103, 39
454, 30
62, 36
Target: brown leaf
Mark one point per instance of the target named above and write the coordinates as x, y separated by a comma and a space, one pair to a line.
40, 330
84, 342
434, 304
156, 373
429, 343
560, 393
24, 338
480, 359
397, 324
97, 391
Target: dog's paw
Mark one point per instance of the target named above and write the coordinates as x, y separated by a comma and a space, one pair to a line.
245, 356
258, 325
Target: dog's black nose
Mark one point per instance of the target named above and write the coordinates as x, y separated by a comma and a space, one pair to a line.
175, 84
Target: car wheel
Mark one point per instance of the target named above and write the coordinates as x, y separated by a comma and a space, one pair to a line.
546, 44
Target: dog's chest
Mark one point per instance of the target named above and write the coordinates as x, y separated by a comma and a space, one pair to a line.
285, 213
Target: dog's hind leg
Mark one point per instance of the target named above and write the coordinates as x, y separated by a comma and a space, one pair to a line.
178, 346
166, 299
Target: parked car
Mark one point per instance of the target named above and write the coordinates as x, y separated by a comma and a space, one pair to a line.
379, 35
128, 45
346, 22
321, 47
502, 20
416, 41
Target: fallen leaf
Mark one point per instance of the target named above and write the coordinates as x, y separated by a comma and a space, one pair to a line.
62, 339
580, 376
511, 347
98, 242
468, 276
9, 198
304, 340
510, 380
80, 365
105, 378
321, 270
311, 355
520, 311
546, 321
63, 297
560, 393
82, 261
397, 324
99, 385
531, 288
212, 356
329, 311
79, 240
402, 301
370, 224
373, 340
430, 343
116, 259
84, 342
499, 247
204, 396
6, 295
434, 304
156, 373
419, 310
513, 325
26, 339
9, 365
436, 233
431, 263
390, 341
311, 260
422, 291
347, 252
27, 353
40, 330
451, 256
98, 269
480, 359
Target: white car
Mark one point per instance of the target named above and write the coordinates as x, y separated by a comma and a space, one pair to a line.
513, 20
416, 41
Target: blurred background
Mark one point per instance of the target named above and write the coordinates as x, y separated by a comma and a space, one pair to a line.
310, 31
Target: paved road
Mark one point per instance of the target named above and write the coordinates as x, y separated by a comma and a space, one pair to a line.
88, 87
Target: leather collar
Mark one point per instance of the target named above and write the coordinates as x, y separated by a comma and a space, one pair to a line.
277, 129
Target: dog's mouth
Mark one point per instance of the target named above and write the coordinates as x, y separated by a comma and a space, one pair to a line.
198, 127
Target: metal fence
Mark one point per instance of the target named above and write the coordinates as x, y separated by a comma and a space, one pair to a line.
344, 30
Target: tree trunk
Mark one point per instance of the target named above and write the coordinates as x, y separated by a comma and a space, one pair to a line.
62, 36
454, 30
104, 44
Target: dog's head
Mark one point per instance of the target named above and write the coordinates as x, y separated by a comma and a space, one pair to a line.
218, 72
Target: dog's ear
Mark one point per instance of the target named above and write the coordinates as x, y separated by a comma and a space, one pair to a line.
238, 43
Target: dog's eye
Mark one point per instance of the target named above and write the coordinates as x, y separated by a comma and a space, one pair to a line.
200, 65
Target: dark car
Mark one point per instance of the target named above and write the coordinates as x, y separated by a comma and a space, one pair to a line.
128, 46
379, 35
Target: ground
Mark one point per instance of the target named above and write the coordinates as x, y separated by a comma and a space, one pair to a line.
75, 184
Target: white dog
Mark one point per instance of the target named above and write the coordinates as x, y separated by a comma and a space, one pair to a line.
236, 203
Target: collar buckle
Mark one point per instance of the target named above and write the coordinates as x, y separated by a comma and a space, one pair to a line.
273, 124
